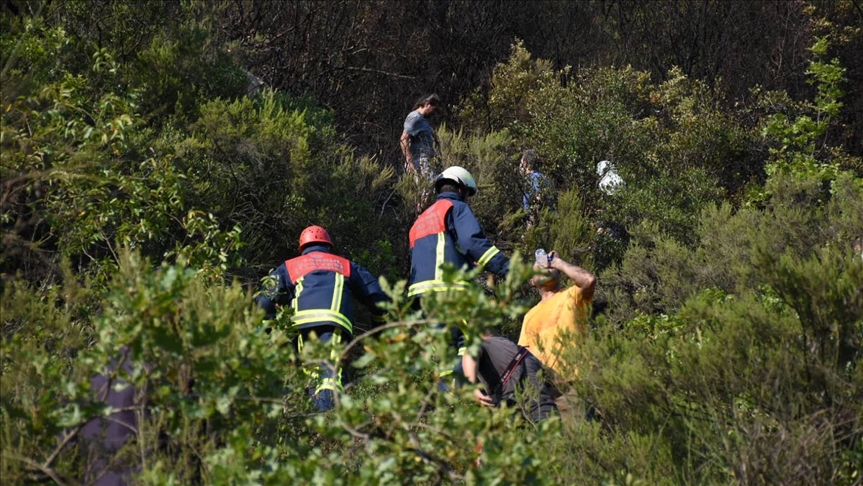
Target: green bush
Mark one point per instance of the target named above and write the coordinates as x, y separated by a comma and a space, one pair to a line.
136, 177
272, 168
220, 400
193, 357
676, 146
658, 274
82, 176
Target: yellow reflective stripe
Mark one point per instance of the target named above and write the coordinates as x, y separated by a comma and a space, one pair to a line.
295, 304
324, 317
330, 384
311, 372
439, 256
487, 256
334, 353
338, 288
318, 315
435, 286
334, 384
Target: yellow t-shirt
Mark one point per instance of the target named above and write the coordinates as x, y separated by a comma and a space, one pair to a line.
564, 313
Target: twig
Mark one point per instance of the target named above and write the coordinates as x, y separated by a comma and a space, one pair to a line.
384, 205
380, 329
356, 433
131, 427
38, 467
428, 458
60, 447
376, 71
110, 248
426, 402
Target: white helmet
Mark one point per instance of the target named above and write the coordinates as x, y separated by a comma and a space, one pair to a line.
609, 181
602, 167
459, 176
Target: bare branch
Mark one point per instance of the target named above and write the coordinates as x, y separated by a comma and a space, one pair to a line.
71, 435
35, 466
376, 71
379, 329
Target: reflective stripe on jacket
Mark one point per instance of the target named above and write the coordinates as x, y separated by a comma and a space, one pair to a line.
319, 287
319, 290
449, 232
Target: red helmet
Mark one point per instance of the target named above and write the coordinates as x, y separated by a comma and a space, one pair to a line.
314, 234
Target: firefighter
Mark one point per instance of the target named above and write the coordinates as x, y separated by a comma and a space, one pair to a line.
320, 286
448, 232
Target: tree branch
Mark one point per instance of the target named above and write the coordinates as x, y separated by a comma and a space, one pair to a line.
380, 329
71, 435
376, 71
35, 466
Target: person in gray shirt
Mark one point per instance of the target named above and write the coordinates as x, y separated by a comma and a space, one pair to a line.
418, 140
503, 367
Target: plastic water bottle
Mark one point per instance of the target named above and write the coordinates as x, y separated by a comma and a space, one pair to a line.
542, 258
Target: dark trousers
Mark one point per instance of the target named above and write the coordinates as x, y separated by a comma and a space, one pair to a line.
458, 342
328, 376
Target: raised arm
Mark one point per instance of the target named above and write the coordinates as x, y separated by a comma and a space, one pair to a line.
584, 280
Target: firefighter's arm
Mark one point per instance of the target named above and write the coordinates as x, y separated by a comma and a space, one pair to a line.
581, 278
366, 288
276, 290
473, 242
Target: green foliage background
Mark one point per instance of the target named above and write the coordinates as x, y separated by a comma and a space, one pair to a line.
147, 186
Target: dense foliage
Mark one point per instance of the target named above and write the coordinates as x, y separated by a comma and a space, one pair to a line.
150, 180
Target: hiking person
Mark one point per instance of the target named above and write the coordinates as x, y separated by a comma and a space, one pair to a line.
418, 141
504, 368
612, 237
560, 314
448, 232
320, 286
537, 188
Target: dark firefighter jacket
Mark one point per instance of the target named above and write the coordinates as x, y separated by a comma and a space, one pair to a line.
319, 285
448, 232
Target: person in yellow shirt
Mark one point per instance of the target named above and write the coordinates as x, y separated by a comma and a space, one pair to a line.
559, 317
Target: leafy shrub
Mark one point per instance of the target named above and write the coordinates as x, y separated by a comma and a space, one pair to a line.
220, 400
179, 341
273, 169
658, 274
734, 384
674, 145
82, 177
729, 352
